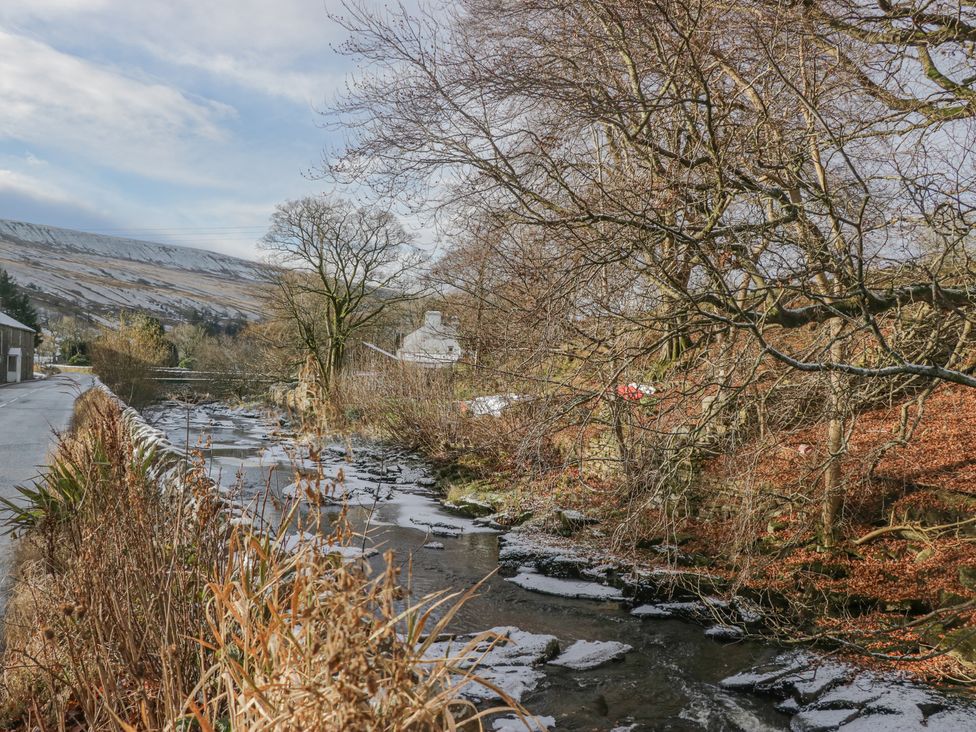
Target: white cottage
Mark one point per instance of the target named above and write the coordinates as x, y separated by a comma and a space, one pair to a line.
432, 344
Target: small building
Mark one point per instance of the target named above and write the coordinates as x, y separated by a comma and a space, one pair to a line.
432, 344
16, 351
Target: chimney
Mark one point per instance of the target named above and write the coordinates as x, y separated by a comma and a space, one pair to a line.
432, 319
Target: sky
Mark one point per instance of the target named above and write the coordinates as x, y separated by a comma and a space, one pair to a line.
183, 121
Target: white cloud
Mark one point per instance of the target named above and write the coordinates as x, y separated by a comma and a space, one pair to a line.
14, 183
275, 47
33, 160
55, 99
301, 87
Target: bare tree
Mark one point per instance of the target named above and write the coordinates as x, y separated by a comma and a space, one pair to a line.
342, 267
698, 171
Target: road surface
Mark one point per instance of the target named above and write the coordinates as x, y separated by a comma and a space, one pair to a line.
29, 414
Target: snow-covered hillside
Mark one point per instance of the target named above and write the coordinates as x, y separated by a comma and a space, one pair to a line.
91, 274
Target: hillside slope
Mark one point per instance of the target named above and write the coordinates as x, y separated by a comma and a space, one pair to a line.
97, 276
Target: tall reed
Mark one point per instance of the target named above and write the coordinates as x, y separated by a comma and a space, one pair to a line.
134, 609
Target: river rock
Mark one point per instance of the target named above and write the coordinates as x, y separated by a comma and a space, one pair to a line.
471, 507
516, 549
825, 694
651, 611
433, 545
692, 610
438, 528
290, 543
572, 521
800, 675
516, 724
507, 659
749, 611
534, 582
585, 655
725, 632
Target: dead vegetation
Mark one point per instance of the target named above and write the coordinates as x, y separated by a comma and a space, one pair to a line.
134, 609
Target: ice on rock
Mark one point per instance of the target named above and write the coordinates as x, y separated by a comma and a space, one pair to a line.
577, 589
822, 720
651, 611
725, 632
290, 543
670, 610
585, 655
438, 528
829, 695
507, 658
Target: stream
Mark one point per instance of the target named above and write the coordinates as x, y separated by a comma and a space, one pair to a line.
670, 680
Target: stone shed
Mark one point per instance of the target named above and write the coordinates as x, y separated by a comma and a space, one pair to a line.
16, 351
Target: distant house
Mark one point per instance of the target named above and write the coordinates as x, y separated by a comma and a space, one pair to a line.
432, 344
16, 351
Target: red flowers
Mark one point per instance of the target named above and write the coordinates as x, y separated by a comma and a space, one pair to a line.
634, 392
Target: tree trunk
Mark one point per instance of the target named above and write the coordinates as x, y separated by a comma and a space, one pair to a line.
833, 479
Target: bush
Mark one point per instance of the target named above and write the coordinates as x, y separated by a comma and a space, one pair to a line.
124, 358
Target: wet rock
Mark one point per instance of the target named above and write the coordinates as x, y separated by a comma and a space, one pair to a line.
651, 584
557, 561
690, 610
749, 611
788, 706
651, 611
492, 522
472, 507
821, 720
585, 655
290, 543
828, 695
507, 659
572, 521
600, 572
517, 724
725, 632
578, 589
438, 528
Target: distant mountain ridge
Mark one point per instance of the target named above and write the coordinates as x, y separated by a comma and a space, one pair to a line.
96, 276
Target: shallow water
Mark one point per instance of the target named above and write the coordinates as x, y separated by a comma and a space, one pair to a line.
668, 682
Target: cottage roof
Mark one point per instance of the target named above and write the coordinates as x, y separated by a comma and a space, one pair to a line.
6, 320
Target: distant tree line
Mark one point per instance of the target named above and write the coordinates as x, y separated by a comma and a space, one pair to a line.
15, 303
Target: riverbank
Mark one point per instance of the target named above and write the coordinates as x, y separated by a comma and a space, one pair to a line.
551, 588
894, 590
870, 604
147, 597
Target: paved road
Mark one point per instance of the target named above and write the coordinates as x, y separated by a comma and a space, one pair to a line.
29, 414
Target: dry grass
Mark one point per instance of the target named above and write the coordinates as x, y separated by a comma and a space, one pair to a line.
422, 409
132, 611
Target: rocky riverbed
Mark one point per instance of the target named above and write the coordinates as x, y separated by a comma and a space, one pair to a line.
584, 643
